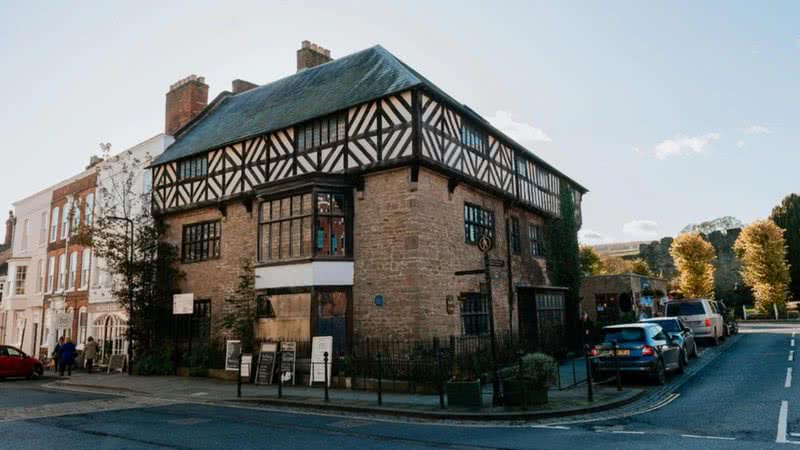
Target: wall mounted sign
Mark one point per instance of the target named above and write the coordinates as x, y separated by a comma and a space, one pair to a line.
485, 244
183, 304
450, 303
379, 300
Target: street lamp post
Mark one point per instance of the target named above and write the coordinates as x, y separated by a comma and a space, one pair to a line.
129, 251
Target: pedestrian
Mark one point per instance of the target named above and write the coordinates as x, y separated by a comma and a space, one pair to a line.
90, 353
57, 354
67, 357
587, 327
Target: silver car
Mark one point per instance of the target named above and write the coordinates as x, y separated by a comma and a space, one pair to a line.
701, 315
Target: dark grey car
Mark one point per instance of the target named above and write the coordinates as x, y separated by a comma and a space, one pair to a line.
677, 328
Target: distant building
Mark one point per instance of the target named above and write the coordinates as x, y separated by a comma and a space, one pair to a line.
609, 298
627, 250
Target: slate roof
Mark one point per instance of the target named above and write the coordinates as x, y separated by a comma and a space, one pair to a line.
314, 92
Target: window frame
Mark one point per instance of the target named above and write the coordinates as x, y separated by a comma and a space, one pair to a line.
213, 251
514, 235
19, 284
193, 168
473, 137
474, 315
475, 220
311, 131
55, 219
86, 263
72, 277
535, 240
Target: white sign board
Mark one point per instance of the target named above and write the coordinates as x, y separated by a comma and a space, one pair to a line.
183, 304
62, 320
320, 345
247, 361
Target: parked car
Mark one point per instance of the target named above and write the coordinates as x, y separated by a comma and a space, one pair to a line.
731, 326
15, 363
701, 316
675, 327
642, 348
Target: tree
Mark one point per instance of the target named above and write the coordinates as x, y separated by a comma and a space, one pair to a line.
563, 265
761, 248
640, 267
614, 265
144, 271
693, 256
589, 260
787, 216
241, 308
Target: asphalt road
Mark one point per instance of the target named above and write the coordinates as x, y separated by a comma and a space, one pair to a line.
733, 402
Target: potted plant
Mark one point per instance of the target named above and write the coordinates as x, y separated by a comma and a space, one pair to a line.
464, 390
538, 374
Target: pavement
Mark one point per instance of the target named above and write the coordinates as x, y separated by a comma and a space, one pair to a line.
740, 395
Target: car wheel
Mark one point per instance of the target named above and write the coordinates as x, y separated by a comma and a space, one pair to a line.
694, 350
36, 372
660, 374
683, 361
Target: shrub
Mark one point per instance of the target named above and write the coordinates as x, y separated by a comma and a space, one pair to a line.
537, 368
155, 362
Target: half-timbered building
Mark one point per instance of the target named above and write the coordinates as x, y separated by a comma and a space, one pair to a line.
358, 188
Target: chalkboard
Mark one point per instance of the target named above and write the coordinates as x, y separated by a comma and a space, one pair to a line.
288, 357
117, 362
266, 363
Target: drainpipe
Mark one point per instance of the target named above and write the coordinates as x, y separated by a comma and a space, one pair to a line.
509, 272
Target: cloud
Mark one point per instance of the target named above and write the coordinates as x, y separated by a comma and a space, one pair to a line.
519, 131
682, 145
641, 228
586, 236
740, 144
637, 150
757, 129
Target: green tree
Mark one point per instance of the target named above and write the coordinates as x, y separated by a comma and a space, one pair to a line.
762, 251
563, 265
693, 255
589, 260
787, 216
241, 309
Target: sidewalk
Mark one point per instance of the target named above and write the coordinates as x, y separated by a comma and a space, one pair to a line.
562, 402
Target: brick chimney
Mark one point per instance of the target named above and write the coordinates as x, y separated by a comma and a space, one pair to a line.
185, 99
9, 229
238, 86
311, 55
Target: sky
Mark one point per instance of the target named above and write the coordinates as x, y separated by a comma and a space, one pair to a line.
670, 113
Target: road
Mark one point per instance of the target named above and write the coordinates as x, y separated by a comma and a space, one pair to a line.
735, 401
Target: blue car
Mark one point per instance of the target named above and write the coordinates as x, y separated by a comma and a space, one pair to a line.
675, 327
642, 348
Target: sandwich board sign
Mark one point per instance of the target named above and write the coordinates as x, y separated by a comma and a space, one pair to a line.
288, 357
266, 363
319, 346
244, 369
183, 304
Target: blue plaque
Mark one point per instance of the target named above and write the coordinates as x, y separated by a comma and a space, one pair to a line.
379, 300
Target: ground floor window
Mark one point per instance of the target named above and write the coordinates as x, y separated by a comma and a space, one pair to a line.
475, 315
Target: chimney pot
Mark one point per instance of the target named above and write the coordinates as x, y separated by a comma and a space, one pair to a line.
186, 99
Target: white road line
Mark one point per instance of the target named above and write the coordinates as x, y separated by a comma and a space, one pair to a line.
782, 417
627, 432
792, 343
788, 382
695, 436
791, 355
550, 427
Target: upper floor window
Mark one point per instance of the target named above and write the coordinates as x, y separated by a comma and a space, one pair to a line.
43, 229
62, 271
86, 258
201, 241
473, 138
54, 225
477, 222
88, 212
321, 132
536, 239
73, 270
193, 168
285, 228
20, 275
330, 225
65, 220
515, 241
51, 274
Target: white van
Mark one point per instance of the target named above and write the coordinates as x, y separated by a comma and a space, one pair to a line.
701, 315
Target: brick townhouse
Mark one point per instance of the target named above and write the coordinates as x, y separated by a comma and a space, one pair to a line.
357, 188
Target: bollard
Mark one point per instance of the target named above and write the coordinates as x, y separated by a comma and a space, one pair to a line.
440, 383
521, 378
239, 377
588, 362
615, 346
574, 376
280, 371
380, 382
325, 362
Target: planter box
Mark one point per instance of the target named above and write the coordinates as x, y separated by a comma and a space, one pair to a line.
513, 389
464, 394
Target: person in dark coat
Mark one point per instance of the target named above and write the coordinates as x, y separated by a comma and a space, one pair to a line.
57, 354
67, 357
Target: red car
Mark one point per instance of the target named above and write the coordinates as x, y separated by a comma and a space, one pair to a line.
15, 363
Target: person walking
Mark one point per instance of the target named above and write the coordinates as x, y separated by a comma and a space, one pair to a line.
57, 354
90, 353
67, 357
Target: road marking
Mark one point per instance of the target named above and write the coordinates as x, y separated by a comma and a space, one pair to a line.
788, 382
792, 342
791, 355
550, 427
624, 432
782, 416
695, 436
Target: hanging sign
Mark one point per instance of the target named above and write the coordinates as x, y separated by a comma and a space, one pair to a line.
288, 357
319, 346
183, 304
62, 320
485, 244
266, 363
232, 350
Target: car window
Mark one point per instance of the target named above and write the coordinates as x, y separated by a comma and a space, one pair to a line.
658, 334
3, 351
13, 352
624, 335
669, 325
685, 309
